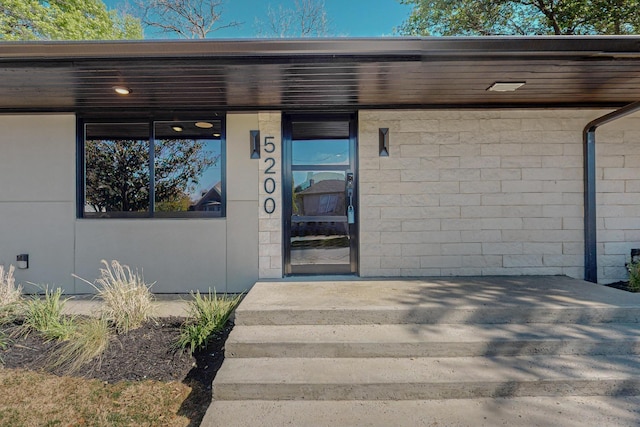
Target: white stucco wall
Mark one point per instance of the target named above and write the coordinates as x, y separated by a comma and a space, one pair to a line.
493, 192
242, 202
181, 255
37, 216
37, 196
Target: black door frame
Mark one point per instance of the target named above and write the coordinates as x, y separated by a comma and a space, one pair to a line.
287, 190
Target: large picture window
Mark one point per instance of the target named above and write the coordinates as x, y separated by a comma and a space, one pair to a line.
155, 169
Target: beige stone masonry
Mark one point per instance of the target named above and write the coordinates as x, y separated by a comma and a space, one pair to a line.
494, 192
270, 224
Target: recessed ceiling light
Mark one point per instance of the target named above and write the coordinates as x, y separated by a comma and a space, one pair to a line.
204, 125
177, 128
122, 90
217, 135
505, 86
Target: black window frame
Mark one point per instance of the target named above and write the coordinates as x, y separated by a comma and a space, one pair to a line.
81, 121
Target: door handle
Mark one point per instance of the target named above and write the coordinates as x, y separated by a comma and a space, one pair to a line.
351, 216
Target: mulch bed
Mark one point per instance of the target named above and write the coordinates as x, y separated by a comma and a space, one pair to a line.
624, 286
147, 353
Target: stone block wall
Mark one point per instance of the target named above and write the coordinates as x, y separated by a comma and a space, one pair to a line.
493, 192
618, 173
270, 224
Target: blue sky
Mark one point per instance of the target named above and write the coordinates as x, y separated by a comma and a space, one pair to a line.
350, 18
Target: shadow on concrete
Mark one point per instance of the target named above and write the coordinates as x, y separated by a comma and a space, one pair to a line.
496, 303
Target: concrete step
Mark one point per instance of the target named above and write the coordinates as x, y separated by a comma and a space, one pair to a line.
425, 378
486, 300
444, 340
518, 351
515, 412
434, 315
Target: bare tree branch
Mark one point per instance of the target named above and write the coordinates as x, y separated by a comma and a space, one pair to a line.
187, 18
307, 18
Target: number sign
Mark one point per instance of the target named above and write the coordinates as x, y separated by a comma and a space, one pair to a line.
269, 184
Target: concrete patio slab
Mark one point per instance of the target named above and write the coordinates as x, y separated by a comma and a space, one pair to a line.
499, 299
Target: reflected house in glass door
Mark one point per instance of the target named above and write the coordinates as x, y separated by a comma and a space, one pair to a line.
322, 198
322, 153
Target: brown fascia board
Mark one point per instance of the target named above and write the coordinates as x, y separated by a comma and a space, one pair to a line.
455, 47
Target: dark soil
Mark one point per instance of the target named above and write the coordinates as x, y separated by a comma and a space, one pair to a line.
147, 353
622, 286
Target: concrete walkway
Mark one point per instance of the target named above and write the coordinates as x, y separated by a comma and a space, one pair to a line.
164, 305
518, 351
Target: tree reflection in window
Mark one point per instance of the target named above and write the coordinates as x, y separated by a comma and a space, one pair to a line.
117, 175
183, 178
187, 170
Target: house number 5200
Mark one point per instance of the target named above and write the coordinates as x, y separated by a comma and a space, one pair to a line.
269, 184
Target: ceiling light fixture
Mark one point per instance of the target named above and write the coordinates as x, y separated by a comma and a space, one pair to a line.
505, 86
122, 90
177, 128
204, 125
216, 134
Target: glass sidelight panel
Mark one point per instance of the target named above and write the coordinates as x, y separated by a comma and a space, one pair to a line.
320, 194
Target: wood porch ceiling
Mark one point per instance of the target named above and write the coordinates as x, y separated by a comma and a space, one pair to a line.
314, 74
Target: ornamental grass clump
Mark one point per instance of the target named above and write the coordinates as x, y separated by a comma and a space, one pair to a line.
43, 314
207, 314
10, 294
3, 344
128, 301
634, 276
89, 341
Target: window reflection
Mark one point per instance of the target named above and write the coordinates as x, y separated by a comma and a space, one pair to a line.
117, 168
187, 167
321, 152
318, 154
319, 193
319, 242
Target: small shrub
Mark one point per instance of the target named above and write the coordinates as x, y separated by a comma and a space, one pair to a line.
3, 344
44, 316
10, 294
88, 342
127, 299
634, 276
207, 314
8, 313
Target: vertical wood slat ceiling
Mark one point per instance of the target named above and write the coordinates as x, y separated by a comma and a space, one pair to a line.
339, 73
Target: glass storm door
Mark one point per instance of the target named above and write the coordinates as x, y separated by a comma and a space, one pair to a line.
320, 194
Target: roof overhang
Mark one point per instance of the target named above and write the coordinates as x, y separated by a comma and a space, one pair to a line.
319, 74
